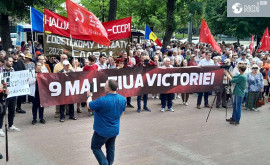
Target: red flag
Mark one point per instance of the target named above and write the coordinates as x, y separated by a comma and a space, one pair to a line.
251, 46
265, 43
118, 29
83, 22
206, 36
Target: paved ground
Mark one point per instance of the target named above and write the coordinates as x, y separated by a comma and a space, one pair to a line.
170, 138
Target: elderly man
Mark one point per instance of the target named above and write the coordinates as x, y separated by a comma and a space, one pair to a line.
57, 68
66, 69
169, 96
176, 55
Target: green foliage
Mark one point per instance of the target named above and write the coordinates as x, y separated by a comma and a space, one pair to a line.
219, 23
53, 5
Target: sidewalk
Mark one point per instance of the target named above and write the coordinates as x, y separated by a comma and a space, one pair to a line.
146, 138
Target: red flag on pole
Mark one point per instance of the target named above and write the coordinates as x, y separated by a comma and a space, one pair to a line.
251, 46
83, 22
206, 36
265, 43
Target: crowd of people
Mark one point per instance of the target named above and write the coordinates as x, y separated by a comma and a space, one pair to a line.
31, 57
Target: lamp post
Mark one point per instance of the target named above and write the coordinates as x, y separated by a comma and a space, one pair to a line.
190, 28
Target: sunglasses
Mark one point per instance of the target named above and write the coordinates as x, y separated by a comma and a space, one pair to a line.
255, 68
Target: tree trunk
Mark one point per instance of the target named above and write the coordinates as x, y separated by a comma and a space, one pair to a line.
112, 10
170, 23
5, 32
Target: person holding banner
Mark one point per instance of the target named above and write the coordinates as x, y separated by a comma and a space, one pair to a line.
10, 102
18, 65
127, 64
145, 62
57, 68
108, 110
71, 106
169, 96
207, 61
34, 93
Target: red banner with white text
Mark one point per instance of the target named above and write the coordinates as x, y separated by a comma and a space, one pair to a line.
57, 24
118, 29
60, 88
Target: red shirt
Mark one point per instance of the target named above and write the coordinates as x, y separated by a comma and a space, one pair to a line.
192, 63
93, 67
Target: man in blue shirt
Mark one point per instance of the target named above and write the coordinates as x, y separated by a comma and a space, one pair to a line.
108, 110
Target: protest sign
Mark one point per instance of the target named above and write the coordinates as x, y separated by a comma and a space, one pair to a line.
17, 82
55, 45
58, 88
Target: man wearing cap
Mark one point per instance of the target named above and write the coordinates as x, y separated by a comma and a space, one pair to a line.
57, 68
35, 57
243, 58
18, 65
60, 66
66, 69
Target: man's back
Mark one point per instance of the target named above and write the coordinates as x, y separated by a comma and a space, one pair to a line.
108, 110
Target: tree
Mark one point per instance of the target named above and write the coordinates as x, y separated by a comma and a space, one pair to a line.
112, 10
14, 9
239, 27
170, 23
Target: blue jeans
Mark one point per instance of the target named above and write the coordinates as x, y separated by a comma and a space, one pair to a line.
97, 142
237, 100
168, 98
145, 98
199, 100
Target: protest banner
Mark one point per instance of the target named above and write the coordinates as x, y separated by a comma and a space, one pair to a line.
55, 45
59, 89
17, 82
57, 24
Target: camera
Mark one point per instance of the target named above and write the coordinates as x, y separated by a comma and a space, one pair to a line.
226, 64
146, 62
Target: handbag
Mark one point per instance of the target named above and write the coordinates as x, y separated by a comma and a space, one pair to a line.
260, 102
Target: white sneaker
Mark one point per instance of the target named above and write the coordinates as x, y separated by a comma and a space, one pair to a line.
13, 128
2, 134
162, 110
153, 97
186, 104
157, 97
171, 110
178, 96
255, 110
